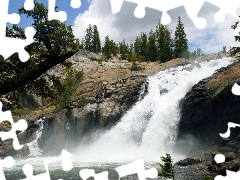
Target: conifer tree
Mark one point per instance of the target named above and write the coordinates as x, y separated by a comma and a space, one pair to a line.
193, 55
131, 48
164, 43
224, 49
144, 46
152, 49
137, 45
88, 38
123, 49
96, 43
235, 50
109, 48
114, 48
180, 41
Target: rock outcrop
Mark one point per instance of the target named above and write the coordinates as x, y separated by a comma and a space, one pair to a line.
101, 106
209, 106
107, 92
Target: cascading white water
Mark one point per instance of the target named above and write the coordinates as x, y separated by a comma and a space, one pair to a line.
33, 145
149, 128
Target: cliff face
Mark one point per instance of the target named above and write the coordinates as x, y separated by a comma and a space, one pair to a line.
101, 108
209, 106
107, 92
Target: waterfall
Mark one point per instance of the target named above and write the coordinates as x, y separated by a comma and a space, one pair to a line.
33, 145
148, 130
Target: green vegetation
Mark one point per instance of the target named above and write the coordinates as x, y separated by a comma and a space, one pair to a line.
154, 46
164, 43
196, 54
208, 178
92, 41
235, 50
180, 41
69, 87
167, 167
135, 67
54, 42
109, 49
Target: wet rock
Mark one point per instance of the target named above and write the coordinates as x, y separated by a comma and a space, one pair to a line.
6, 149
32, 100
188, 162
209, 106
231, 163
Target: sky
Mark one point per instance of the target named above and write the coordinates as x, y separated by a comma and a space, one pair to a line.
125, 25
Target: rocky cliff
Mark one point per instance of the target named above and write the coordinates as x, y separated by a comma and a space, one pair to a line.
106, 93
209, 106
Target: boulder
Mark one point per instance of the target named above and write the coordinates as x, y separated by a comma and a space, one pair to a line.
188, 162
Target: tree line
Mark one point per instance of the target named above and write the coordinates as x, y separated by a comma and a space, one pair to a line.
156, 45
54, 43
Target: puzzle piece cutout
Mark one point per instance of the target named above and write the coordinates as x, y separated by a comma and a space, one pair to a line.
137, 167
61, 15
5, 163
236, 89
220, 158
12, 45
230, 176
28, 5
20, 125
192, 8
230, 125
67, 165
87, 173
227, 7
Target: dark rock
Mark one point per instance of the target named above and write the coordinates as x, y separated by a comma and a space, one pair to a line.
188, 162
209, 106
6, 149
101, 108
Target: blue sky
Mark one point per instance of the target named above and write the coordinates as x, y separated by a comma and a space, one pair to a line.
64, 5
125, 25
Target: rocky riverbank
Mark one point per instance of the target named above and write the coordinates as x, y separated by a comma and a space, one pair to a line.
205, 112
209, 106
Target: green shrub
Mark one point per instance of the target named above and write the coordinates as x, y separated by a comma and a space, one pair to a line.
167, 167
208, 178
68, 89
135, 67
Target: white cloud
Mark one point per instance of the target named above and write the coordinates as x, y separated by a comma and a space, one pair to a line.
125, 25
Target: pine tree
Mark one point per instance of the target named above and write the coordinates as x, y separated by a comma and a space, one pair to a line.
180, 41
88, 39
109, 48
164, 43
137, 45
123, 49
224, 49
193, 55
96, 43
114, 48
131, 48
199, 52
144, 46
152, 49
235, 50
